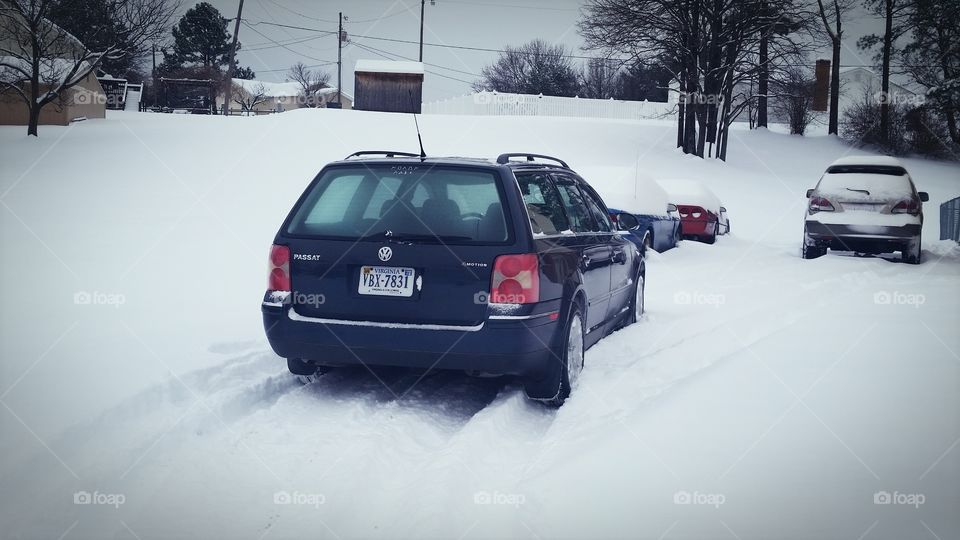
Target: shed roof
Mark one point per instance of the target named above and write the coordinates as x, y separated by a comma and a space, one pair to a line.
389, 66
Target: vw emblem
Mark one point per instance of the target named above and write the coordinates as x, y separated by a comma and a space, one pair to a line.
385, 253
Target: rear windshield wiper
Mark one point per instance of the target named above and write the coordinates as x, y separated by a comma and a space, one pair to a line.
865, 192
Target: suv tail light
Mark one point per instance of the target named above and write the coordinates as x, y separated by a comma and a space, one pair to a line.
820, 204
279, 279
907, 206
515, 280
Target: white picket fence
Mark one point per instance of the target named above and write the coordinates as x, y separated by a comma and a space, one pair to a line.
499, 104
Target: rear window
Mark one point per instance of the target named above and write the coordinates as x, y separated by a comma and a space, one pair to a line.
891, 170
859, 185
421, 202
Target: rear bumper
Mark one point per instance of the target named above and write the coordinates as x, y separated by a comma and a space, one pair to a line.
497, 346
862, 237
698, 227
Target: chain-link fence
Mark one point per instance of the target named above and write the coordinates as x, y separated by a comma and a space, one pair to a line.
950, 220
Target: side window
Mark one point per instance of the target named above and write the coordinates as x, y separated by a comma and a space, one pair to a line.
576, 208
543, 204
331, 205
601, 218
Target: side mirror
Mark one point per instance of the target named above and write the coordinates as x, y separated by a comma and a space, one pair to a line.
809, 193
628, 222
924, 196
723, 210
671, 208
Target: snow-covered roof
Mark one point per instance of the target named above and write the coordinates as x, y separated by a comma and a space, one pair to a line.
330, 90
270, 89
868, 160
52, 71
389, 66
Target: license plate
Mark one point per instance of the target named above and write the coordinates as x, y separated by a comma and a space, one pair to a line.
386, 281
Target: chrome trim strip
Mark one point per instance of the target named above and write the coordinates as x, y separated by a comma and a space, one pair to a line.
273, 304
519, 317
294, 316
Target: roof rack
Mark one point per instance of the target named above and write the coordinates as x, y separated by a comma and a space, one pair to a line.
503, 159
384, 153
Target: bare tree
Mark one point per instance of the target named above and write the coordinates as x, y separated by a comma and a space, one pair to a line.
310, 81
536, 67
793, 99
39, 60
248, 98
599, 79
897, 18
932, 58
832, 13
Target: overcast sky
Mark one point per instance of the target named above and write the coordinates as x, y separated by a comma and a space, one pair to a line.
487, 24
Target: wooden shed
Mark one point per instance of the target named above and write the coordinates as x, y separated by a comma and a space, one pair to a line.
388, 86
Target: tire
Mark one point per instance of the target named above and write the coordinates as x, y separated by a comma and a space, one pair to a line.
810, 250
637, 303
305, 372
647, 241
557, 380
711, 239
677, 237
911, 253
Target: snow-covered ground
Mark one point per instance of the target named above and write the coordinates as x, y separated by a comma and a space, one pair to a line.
763, 396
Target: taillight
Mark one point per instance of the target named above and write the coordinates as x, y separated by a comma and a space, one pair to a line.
279, 279
819, 204
516, 279
907, 206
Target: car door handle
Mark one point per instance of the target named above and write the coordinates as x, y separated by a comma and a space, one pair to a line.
619, 256
585, 261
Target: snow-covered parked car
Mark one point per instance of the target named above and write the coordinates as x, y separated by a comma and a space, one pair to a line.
866, 204
510, 267
644, 214
702, 216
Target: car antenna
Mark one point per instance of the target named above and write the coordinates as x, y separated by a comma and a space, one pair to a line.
423, 155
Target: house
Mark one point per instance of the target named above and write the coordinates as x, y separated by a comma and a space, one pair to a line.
388, 86
85, 99
329, 95
859, 83
264, 96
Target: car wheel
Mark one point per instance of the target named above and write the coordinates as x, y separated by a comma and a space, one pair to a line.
567, 361
810, 250
637, 304
677, 237
911, 253
305, 372
647, 241
712, 238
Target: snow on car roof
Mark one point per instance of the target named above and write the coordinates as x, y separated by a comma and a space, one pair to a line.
868, 160
614, 185
691, 192
389, 66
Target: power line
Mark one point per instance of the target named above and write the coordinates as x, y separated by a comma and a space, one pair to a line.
376, 50
282, 45
384, 55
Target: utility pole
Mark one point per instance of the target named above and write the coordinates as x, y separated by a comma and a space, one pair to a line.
423, 4
153, 74
340, 60
228, 85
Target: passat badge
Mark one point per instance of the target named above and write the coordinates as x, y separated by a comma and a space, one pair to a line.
385, 253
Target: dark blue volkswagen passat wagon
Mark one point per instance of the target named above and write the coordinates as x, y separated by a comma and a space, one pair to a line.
506, 268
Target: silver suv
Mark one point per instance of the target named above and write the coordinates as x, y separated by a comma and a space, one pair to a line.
866, 204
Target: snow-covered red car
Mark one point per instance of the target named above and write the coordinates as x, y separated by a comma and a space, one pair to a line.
865, 204
702, 217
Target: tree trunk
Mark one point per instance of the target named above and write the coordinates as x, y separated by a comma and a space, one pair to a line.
681, 107
834, 124
763, 73
885, 75
952, 124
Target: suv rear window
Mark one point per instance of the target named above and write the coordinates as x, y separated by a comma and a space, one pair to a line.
421, 202
892, 170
